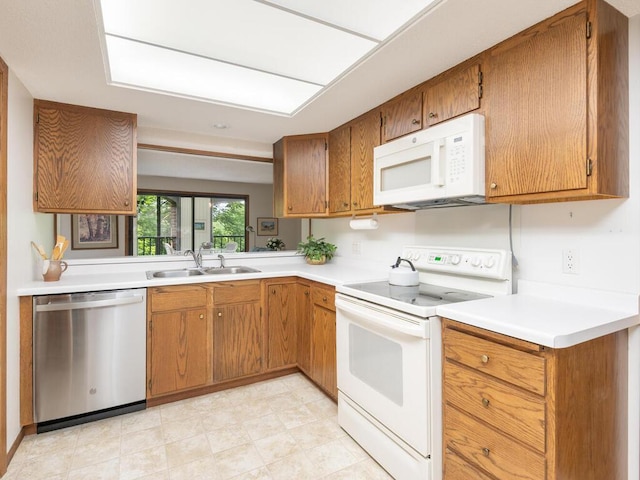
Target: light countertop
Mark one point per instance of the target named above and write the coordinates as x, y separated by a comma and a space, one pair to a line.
550, 315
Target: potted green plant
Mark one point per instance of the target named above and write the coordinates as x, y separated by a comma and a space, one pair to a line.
316, 251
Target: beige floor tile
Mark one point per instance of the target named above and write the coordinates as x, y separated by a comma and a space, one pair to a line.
51, 442
294, 417
109, 470
363, 470
323, 408
262, 427
296, 381
181, 429
100, 430
95, 452
173, 412
331, 457
296, 466
352, 446
187, 450
227, 437
143, 420
201, 469
141, 440
270, 388
277, 446
45, 466
237, 460
222, 417
145, 462
308, 394
256, 408
211, 402
258, 474
317, 433
283, 401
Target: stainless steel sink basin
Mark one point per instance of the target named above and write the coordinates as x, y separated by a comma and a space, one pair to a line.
229, 270
190, 272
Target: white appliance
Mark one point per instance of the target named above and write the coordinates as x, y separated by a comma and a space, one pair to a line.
389, 354
440, 166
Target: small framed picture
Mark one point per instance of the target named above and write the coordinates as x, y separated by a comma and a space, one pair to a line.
198, 225
267, 226
92, 231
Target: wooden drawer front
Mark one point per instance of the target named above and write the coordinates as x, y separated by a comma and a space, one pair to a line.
509, 409
488, 449
514, 366
455, 468
177, 297
238, 292
324, 297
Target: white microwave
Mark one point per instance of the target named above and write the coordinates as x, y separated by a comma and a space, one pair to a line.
440, 166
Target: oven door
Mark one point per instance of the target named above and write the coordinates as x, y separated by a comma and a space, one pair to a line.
385, 361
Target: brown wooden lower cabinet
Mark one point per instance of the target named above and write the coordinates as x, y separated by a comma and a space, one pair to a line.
514, 409
177, 339
207, 334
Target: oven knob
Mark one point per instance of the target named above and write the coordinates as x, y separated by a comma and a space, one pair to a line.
455, 259
489, 262
475, 262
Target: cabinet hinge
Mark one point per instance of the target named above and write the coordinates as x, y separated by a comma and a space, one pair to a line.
480, 91
479, 78
149, 385
588, 29
35, 196
589, 167
38, 118
326, 146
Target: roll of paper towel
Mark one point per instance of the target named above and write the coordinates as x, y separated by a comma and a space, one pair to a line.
363, 224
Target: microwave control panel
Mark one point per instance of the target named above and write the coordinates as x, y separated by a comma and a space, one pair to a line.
456, 148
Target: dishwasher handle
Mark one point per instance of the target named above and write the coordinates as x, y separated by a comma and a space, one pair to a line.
111, 302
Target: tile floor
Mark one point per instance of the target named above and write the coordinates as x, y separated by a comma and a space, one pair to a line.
278, 429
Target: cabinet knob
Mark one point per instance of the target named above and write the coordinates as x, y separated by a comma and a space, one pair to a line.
289, 208
485, 402
324, 299
126, 203
432, 115
219, 314
415, 121
493, 186
345, 204
306, 292
486, 451
273, 291
355, 204
484, 358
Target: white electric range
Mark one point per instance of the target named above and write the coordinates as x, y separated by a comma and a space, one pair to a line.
389, 354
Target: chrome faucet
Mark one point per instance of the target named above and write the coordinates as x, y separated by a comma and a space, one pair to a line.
221, 257
197, 257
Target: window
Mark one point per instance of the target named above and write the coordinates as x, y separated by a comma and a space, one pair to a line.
168, 222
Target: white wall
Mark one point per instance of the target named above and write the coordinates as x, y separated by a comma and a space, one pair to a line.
22, 226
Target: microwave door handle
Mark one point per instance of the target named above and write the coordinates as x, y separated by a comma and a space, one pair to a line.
436, 176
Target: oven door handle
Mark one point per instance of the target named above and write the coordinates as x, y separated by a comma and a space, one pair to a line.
370, 315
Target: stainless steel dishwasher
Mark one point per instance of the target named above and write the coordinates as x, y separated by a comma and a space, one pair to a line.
89, 356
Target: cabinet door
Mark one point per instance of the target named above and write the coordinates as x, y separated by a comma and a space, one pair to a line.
303, 313
85, 159
536, 94
340, 170
402, 115
456, 93
323, 349
365, 135
281, 325
303, 174
237, 347
178, 351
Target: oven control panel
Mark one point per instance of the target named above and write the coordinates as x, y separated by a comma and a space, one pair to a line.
486, 263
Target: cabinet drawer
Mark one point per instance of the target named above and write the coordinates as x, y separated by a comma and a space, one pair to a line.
488, 449
238, 292
509, 409
177, 297
514, 366
455, 468
324, 297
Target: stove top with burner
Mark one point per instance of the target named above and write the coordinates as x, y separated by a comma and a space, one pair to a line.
447, 275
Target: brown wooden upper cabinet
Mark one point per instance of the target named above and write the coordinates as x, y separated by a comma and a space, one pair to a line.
556, 106
453, 93
300, 176
402, 115
351, 165
84, 160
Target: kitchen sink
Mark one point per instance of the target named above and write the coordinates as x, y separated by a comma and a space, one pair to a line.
191, 272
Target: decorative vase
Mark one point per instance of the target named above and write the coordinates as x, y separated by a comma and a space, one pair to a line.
316, 261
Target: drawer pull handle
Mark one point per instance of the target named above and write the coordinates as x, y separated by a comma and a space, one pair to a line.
486, 451
485, 402
485, 358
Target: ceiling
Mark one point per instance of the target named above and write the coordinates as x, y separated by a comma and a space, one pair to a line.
53, 47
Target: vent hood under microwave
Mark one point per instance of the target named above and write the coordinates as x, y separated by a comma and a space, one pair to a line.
441, 166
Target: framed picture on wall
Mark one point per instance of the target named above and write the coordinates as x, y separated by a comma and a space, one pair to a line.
92, 231
267, 226
198, 225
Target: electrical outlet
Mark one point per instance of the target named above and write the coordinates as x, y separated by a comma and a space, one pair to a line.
570, 261
356, 248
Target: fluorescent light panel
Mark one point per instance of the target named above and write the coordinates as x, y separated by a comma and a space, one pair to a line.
244, 53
